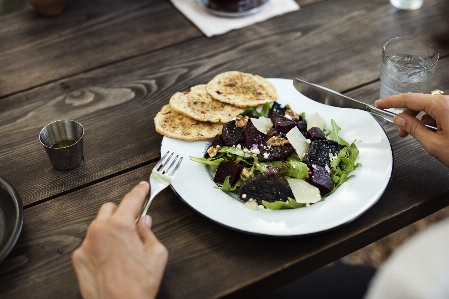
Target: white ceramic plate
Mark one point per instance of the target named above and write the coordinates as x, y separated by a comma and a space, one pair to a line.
195, 186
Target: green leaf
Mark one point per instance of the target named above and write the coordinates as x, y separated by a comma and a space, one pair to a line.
343, 164
230, 150
333, 135
277, 205
253, 110
297, 170
212, 162
227, 186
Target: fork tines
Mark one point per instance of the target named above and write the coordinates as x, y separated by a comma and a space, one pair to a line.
163, 167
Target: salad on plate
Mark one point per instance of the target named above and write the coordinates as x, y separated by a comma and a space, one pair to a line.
274, 158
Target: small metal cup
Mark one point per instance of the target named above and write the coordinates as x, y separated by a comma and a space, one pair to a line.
63, 142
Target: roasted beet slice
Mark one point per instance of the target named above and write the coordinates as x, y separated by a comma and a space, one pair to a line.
284, 125
302, 125
231, 134
228, 169
217, 141
315, 133
269, 186
319, 151
321, 179
275, 153
251, 136
276, 109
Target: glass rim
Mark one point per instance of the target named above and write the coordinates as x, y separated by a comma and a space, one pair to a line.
384, 52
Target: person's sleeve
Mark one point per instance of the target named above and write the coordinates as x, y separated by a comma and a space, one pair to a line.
418, 269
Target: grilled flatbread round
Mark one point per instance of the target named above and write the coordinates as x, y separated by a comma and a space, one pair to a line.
241, 89
176, 125
198, 104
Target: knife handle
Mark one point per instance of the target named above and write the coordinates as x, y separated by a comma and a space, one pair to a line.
388, 116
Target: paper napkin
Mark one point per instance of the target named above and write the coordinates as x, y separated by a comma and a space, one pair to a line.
211, 24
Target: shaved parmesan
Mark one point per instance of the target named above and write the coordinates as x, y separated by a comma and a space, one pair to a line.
298, 141
303, 191
262, 124
315, 120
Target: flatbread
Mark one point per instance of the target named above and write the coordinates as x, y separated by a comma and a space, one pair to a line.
199, 105
173, 124
241, 89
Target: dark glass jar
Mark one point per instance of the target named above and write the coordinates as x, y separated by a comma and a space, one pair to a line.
234, 5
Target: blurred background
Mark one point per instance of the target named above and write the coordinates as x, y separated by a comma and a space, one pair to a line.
9, 6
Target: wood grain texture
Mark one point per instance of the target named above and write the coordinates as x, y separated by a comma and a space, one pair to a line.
117, 103
88, 35
117, 74
206, 260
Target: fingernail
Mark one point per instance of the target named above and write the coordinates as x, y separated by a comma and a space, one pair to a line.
399, 121
143, 182
148, 221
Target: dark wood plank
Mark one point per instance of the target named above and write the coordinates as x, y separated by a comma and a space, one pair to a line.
89, 34
227, 263
313, 43
206, 260
117, 103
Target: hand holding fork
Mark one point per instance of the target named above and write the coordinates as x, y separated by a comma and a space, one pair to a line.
161, 176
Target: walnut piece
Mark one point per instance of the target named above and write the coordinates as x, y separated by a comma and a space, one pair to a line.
241, 121
212, 151
245, 173
277, 141
292, 114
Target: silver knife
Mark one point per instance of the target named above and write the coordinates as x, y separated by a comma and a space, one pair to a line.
330, 97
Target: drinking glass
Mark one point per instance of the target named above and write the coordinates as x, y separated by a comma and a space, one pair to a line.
408, 65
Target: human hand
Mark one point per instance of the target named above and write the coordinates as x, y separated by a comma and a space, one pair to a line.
436, 108
118, 258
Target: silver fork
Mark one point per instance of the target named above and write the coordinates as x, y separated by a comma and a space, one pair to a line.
161, 176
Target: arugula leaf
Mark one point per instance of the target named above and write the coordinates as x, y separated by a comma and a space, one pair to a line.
333, 135
253, 110
235, 151
277, 205
227, 186
343, 164
297, 170
213, 163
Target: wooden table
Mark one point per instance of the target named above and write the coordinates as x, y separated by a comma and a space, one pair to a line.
112, 64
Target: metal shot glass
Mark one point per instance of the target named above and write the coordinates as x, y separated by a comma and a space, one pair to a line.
63, 142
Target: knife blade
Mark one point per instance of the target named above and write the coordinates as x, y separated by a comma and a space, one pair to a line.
331, 97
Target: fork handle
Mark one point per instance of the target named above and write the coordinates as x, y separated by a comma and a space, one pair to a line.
146, 206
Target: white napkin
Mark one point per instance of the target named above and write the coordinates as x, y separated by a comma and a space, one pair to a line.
211, 24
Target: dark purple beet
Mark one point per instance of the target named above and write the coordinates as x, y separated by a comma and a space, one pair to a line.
251, 136
276, 109
231, 134
319, 150
275, 153
302, 125
269, 186
217, 141
315, 133
252, 115
228, 169
284, 125
321, 179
